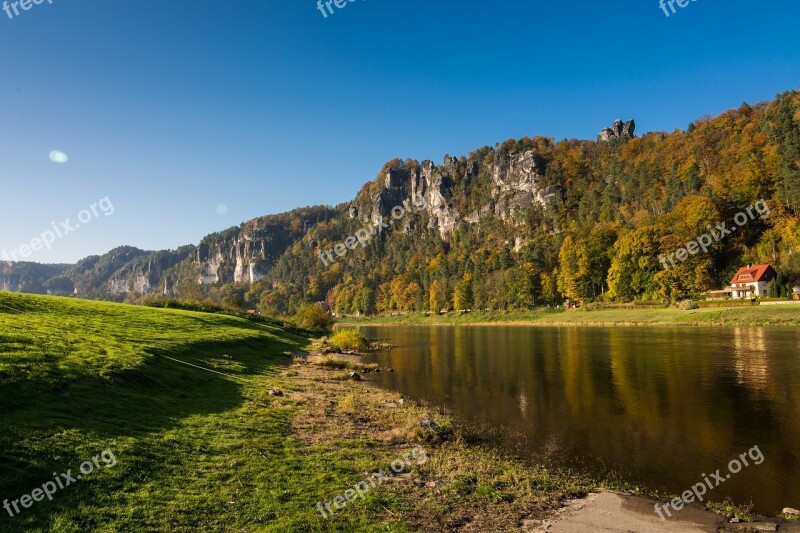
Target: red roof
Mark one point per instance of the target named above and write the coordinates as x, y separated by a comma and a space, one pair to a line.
752, 273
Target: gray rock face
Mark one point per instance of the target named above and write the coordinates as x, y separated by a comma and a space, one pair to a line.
125, 281
241, 257
515, 185
210, 260
397, 183
433, 184
438, 184
629, 128
450, 165
145, 273
251, 254
516, 172
617, 130
397, 178
476, 215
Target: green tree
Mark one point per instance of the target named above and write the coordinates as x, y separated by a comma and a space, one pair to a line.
462, 296
313, 317
518, 288
438, 295
783, 125
634, 265
573, 261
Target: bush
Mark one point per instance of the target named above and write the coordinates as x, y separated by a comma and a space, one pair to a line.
337, 364
313, 317
186, 305
435, 431
348, 339
727, 303
687, 305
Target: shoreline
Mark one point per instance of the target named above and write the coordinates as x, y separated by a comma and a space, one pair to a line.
467, 482
748, 316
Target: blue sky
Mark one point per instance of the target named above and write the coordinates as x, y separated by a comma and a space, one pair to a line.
174, 107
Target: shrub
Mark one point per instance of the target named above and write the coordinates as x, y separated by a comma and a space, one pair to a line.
434, 431
687, 305
186, 305
337, 364
313, 317
348, 339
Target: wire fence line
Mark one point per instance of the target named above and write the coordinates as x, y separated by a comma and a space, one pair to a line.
230, 376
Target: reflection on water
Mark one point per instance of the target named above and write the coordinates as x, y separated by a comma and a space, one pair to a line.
751, 357
661, 406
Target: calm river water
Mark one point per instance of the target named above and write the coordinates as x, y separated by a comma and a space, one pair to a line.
659, 406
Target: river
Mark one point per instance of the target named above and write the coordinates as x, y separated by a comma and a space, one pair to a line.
660, 407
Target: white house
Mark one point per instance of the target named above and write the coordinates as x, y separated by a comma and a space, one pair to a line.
752, 281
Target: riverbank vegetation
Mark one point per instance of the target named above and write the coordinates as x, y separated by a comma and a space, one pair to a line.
748, 316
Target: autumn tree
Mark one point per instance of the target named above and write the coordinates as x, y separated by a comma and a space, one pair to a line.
634, 265
462, 296
438, 296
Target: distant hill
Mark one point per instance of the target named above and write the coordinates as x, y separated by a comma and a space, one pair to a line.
526, 222
29, 277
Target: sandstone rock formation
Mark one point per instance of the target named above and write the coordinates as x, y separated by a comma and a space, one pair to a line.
618, 130
515, 180
517, 183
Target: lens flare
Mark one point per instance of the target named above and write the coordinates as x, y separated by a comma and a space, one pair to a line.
58, 157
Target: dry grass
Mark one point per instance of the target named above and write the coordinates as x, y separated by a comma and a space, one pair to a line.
462, 487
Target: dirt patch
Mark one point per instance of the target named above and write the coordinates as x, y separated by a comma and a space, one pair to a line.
622, 513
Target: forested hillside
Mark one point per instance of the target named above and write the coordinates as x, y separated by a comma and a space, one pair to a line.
620, 204
525, 223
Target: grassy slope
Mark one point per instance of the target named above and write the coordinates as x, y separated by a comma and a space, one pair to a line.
737, 316
201, 452
196, 451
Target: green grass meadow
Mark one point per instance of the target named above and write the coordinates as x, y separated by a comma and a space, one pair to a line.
195, 451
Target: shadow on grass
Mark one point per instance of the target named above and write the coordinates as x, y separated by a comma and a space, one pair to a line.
43, 422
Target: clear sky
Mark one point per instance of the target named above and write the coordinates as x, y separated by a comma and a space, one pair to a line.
172, 108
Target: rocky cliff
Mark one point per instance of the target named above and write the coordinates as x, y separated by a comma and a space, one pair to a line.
618, 130
245, 254
514, 178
